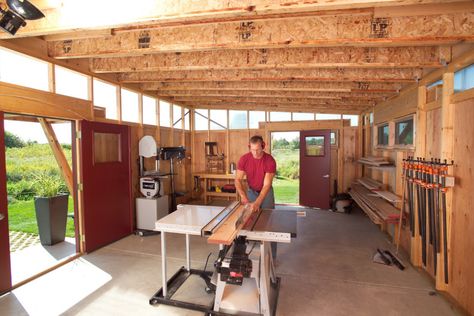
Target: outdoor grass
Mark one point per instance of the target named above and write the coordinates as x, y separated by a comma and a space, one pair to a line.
286, 191
22, 217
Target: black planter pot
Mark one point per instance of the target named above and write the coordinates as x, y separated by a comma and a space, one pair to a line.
51, 216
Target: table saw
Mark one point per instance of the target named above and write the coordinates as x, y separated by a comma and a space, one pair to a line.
245, 281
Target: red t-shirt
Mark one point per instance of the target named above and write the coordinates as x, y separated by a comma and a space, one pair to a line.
255, 169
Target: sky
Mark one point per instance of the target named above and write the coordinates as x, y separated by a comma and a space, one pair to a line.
285, 135
33, 131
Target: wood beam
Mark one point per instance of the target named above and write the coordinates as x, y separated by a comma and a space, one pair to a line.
22, 100
58, 153
355, 86
280, 58
68, 15
276, 94
293, 101
335, 109
314, 31
340, 74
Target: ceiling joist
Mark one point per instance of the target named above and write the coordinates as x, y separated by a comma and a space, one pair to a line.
339, 74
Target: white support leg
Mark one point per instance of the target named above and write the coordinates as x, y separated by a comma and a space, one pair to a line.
163, 263
188, 254
265, 287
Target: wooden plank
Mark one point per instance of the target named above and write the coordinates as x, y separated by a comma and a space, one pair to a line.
289, 58
227, 232
389, 196
58, 153
370, 183
22, 100
309, 86
461, 249
359, 30
67, 16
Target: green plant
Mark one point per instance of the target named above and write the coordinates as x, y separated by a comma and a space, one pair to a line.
46, 185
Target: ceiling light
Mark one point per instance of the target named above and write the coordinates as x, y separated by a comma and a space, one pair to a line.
14, 16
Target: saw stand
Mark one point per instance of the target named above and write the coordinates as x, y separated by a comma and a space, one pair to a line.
257, 292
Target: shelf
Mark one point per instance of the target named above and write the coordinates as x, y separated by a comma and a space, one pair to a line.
374, 161
224, 194
370, 183
384, 168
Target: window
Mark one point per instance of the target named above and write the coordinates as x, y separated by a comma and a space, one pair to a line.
280, 116
297, 116
218, 119
382, 135
238, 119
201, 119
321, 116
464, 79
187, 119
177, 119
404, 132
105, 95
165, 114
14, 66
71, 83
149, 110
129, 106
314, 145
334, 138
354, 119
255, 117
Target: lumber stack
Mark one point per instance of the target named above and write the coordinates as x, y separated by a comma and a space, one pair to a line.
374, 161
379, 211
370, 184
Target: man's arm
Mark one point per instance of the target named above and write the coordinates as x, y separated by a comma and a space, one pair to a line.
267, 184
239, 185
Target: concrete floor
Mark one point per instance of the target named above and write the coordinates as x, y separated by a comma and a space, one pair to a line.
326, 270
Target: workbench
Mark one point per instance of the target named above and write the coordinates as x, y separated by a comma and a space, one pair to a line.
208, 178
268, 226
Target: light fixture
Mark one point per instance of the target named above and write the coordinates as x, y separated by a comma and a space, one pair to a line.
13, 17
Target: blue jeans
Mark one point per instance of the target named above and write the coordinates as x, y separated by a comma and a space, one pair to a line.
269, 203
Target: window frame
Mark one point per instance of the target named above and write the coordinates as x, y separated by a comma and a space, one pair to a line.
396, 122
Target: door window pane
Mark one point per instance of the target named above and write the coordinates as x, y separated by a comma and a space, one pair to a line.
255, 117
22, 70
105, 95
129, 106
201, 120
238, 119
165, 114
149, 110
71, 83
314, 145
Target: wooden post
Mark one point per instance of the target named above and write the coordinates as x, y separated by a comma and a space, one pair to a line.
447, 152
340, 157
227, 145
58, 153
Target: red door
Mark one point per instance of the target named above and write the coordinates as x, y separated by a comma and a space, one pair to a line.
5, 273
315, 165
107, 189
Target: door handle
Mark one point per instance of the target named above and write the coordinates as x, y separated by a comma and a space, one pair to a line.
326, 176
2, 216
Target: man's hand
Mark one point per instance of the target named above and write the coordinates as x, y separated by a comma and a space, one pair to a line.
244, 200
253, 206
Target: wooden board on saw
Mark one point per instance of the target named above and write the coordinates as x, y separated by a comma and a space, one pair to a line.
227, 232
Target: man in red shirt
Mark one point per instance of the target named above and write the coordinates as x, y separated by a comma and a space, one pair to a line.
260, 168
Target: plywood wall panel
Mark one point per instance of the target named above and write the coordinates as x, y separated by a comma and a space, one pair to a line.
433, 130
350, 160
401, 106
462, 223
